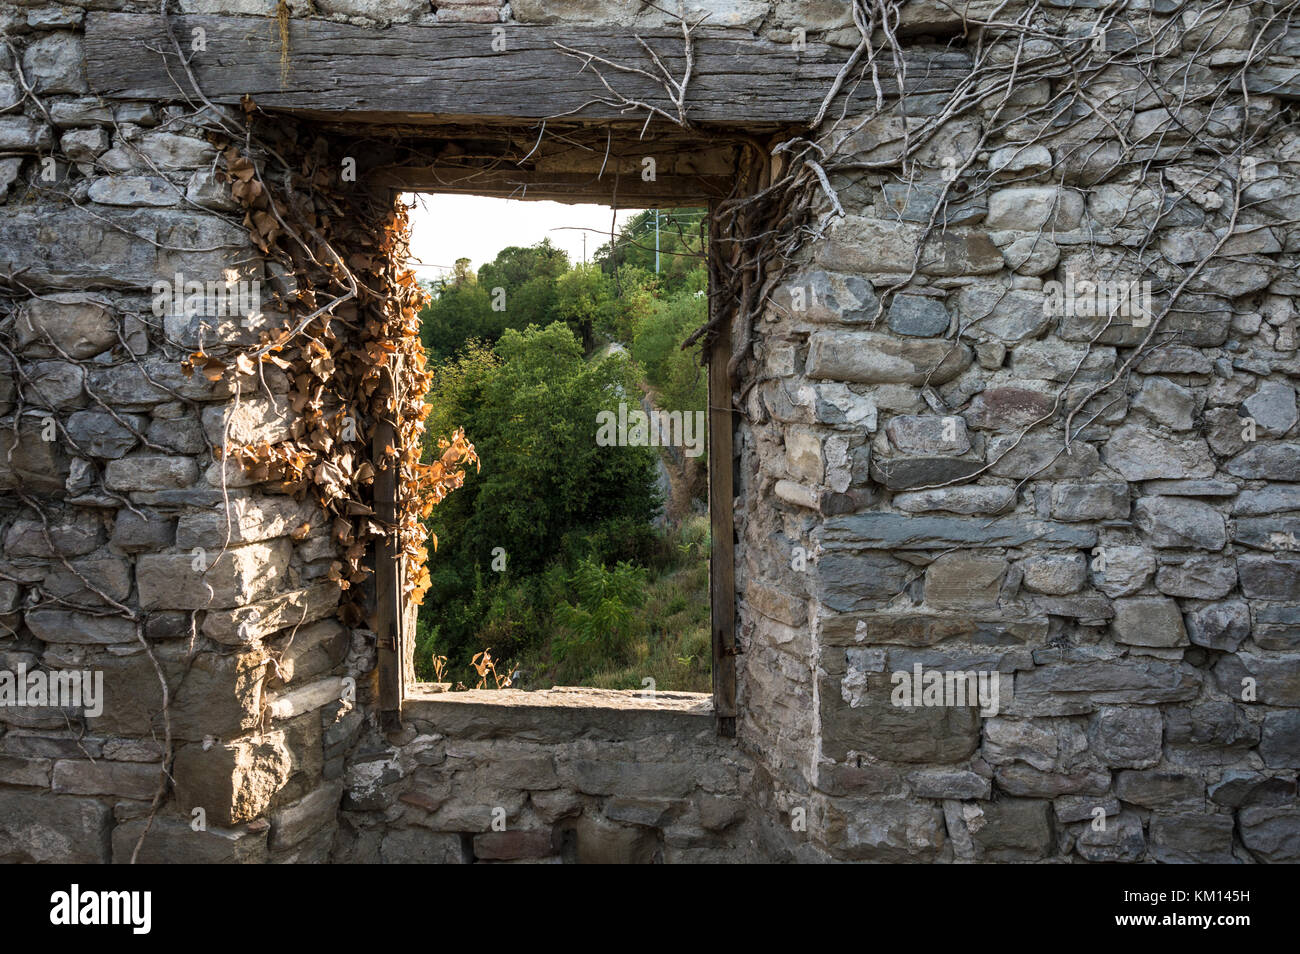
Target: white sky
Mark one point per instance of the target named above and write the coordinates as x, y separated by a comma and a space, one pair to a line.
447, 227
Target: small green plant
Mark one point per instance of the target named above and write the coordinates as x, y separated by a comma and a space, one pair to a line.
600, 621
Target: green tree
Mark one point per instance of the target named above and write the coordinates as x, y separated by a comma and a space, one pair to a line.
546, 490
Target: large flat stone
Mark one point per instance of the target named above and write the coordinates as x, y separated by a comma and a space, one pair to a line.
867, 357
38, 827
888, 531
224, 578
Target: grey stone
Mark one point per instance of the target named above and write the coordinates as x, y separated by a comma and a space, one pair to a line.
918, 316
884, 830
1020, 159
242, 575
1126, 738
83, 145
172, 841
961, 500
1007, 314
41, 828
1273, 408
1220, 625
1009, 409
83, 111
65, 626
964, 580
206, 190
1166, 403
1219, 726
1149, 621
247, 520
150, 472
1200, 577
1275, 677
134, 191
1277, 627
1034, 207
1269, 578
1270, 834
1275, 498
1080, 687
928, 434
71, 534
1238, 788
1179, 522
916, 203
1102, 500
1032, 255
1279, 744
877, 728
1191, 839
874, 246
1175, 359
1055, 574
29, 461
54, 64
20, 134
1268, 533
1139, 453
832, 297
1013, 829
873, 358
78, 248
1074, 808
907, 473
1039, 455
170, 152
1056, 360
1267, 462
122, 779
100, 434
1160, 790
949, 783
891, 531
134, 534
1190, 488
56, 385
850, 580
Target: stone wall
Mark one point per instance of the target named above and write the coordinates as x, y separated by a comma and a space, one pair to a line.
579, 775
905, 498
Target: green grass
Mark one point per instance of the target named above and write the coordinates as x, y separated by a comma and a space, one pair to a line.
667, 640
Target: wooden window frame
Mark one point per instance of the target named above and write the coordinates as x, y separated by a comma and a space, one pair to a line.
394, 623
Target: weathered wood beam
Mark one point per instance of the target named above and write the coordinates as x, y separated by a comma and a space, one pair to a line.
407, 73
626, 190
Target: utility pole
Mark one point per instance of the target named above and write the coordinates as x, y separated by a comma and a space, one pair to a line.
656, 241
584, 248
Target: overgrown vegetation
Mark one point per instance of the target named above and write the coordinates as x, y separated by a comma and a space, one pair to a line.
564, 560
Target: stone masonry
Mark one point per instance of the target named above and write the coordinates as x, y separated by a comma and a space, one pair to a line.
908, 501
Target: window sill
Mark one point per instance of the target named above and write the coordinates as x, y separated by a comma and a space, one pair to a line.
556, 715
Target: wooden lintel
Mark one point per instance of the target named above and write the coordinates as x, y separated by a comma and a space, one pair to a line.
626, 191
454, 69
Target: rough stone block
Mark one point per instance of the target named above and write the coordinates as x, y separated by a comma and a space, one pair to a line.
231, 781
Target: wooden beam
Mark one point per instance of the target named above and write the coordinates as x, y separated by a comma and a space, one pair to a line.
722, 526
628, 191
410, 73
388, 618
